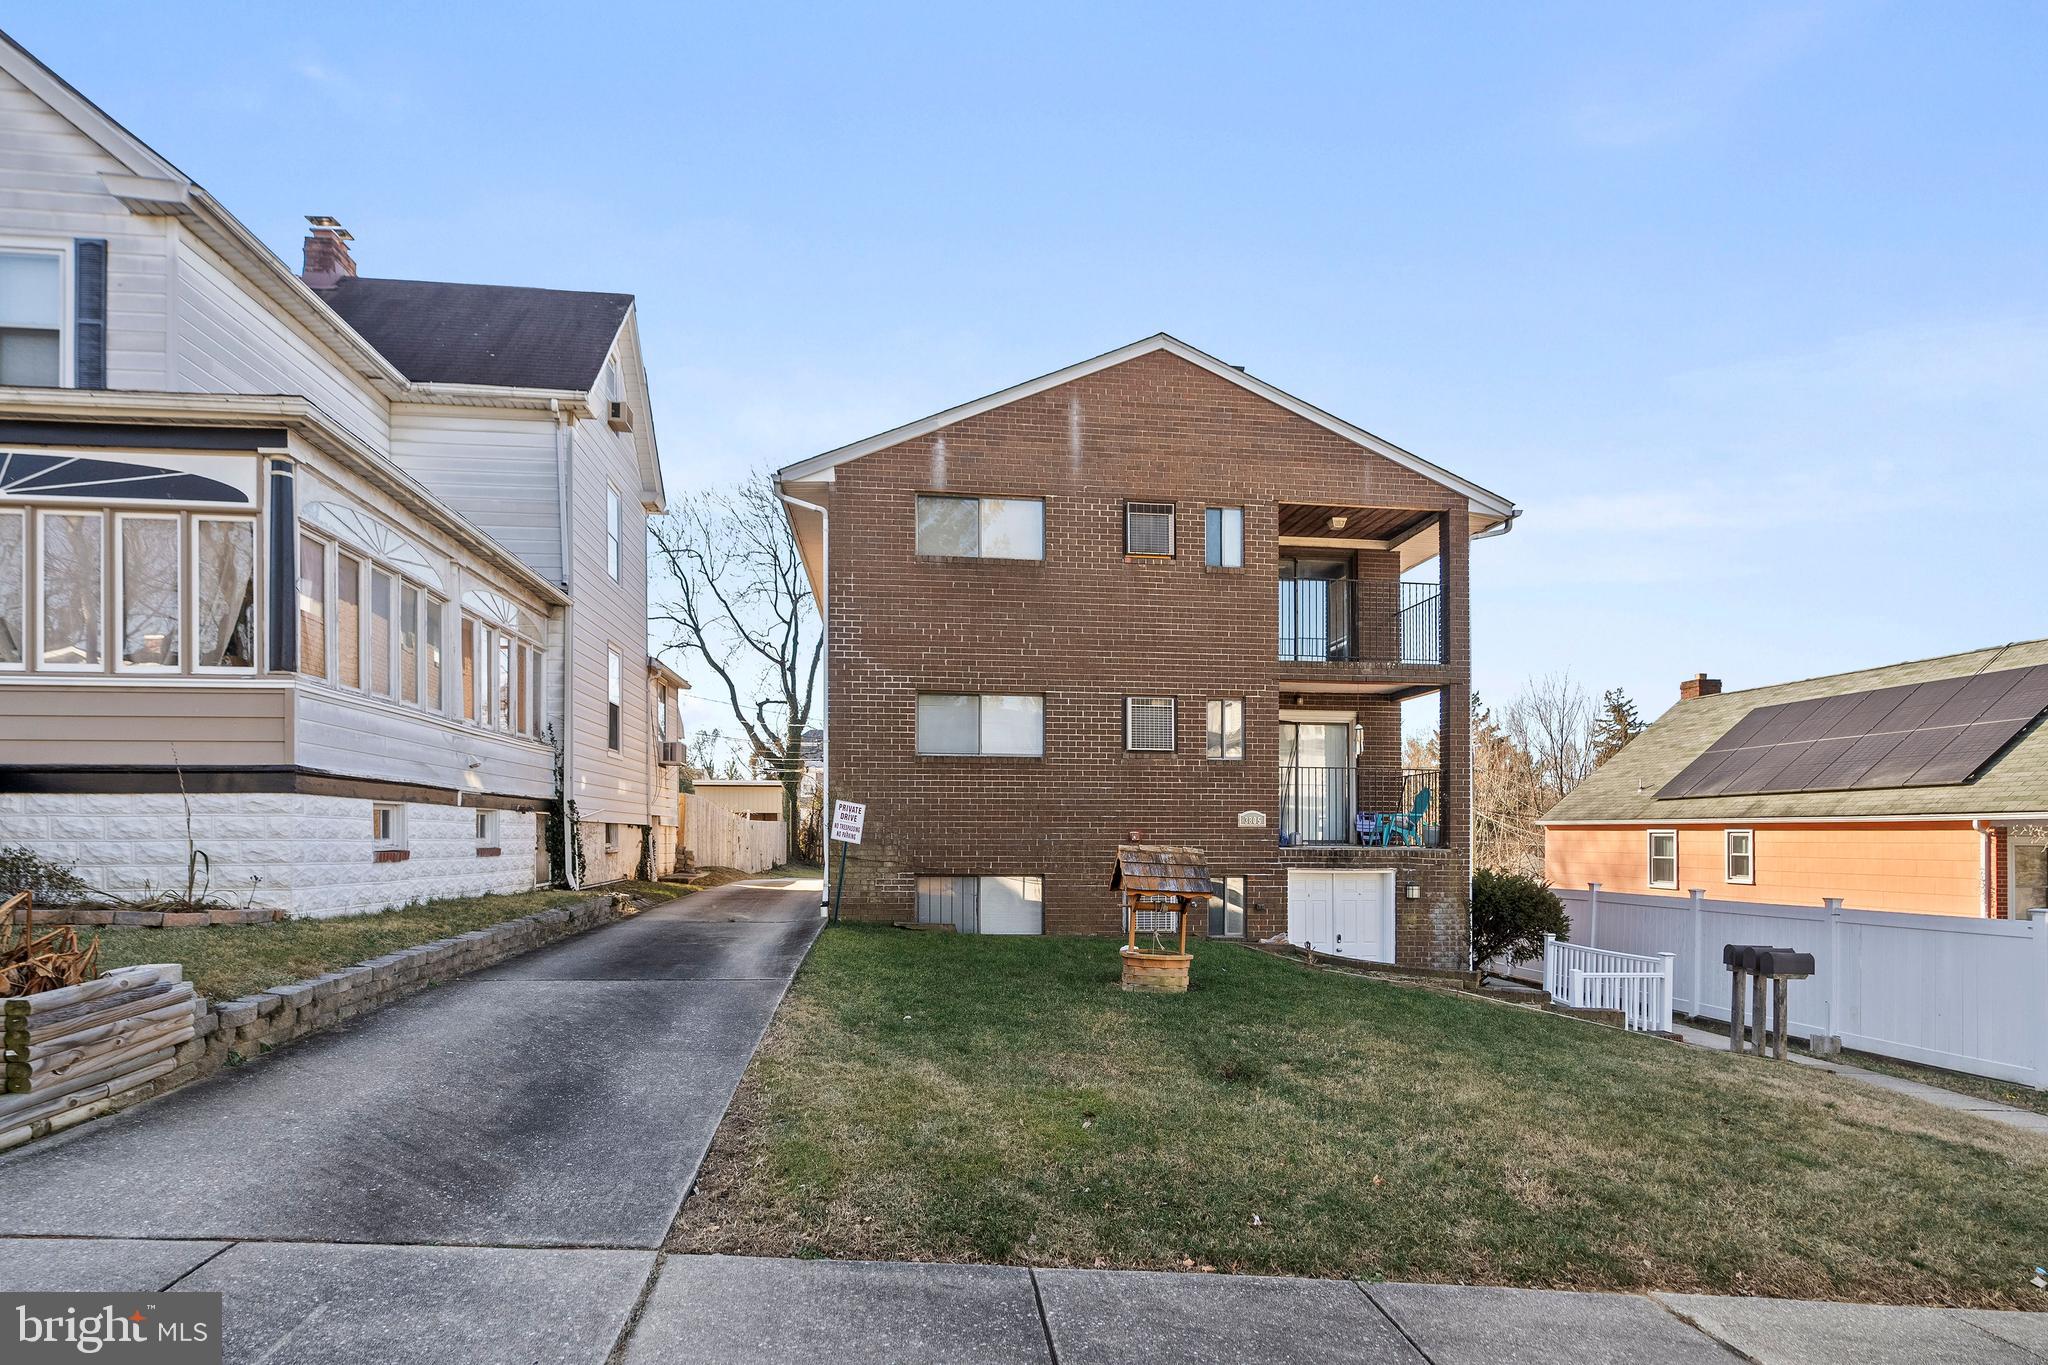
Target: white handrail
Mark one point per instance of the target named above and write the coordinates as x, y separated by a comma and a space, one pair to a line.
1579, 977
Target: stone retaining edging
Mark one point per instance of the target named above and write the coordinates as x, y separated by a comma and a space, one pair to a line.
231, 1032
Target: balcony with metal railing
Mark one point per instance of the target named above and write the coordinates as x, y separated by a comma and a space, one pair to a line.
1323, 807
1354, 620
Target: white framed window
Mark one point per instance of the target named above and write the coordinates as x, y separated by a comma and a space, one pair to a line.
614, 532
408, 643
1148, 529
13, 590
985, 725
437, 691
35, 315
387, 825
380, 652
1148, 724
614, 392
487, 828
1226, 907
611, 838
348, 620
1739, 847
501, 672
148, 578
1223, 538
1225, 729
534, 681
470, 631
980, 528
1664, 858
70, 591
224, 596
614, 701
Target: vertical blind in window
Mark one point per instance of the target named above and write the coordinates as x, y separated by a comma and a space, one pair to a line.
1148, 723
1223, 538
348, 620
380, 632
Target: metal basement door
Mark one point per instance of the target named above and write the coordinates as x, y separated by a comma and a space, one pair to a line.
1348, 914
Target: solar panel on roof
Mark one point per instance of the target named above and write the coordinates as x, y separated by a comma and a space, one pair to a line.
1932, 734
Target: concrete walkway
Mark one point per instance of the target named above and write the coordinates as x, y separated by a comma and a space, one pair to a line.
1991, 1111
507, 1151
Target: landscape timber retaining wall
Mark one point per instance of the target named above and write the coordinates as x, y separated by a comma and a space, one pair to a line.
229, 1032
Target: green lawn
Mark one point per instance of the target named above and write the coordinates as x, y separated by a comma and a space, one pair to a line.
233, 960
968, 1098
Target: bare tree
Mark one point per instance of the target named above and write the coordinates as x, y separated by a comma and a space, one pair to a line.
711, 754
1552, 722
739, 601
1507, 800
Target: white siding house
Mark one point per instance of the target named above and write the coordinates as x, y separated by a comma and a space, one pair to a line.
336, 567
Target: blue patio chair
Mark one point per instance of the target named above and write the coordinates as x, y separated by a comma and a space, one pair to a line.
1407, 829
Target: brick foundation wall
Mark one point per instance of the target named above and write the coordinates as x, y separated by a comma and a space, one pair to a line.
1087, 627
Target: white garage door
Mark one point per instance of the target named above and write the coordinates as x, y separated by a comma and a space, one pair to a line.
1347, 914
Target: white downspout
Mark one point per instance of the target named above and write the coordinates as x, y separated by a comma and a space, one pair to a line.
565, 492
825, 743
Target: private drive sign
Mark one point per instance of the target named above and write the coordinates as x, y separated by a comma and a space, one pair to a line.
847, 819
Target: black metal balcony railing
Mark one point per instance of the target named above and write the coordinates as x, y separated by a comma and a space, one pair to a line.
1320, 806
1337, 620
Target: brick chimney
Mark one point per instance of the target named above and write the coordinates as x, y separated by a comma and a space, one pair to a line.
327, 258
1697, 686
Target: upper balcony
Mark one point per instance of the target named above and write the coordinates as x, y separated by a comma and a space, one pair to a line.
1354, 620
1361, 605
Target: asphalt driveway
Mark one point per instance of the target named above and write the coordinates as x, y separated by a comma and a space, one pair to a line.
562, 1100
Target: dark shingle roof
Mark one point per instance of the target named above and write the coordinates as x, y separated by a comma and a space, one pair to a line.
507, 335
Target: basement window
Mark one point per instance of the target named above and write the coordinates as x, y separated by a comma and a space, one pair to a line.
387, 825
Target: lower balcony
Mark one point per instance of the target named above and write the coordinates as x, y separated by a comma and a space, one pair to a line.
1338, 807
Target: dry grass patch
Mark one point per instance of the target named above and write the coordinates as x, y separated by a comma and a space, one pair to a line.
928, 1096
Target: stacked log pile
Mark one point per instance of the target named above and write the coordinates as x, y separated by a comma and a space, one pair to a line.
69, 1051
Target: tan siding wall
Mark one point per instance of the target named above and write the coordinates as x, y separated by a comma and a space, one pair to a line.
1928, 869
80, 724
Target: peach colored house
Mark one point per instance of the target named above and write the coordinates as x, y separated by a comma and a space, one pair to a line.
1919, 787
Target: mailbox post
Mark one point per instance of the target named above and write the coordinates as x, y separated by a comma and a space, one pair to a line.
1759, 964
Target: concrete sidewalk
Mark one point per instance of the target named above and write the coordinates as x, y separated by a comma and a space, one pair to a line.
742, 1311
390, 1305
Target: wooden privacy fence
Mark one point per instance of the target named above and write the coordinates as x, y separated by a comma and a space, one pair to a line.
1966, 994
718, 838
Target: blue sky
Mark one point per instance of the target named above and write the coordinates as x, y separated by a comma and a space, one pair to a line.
1746, 305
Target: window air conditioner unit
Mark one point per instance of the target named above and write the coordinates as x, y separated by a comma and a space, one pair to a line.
618, 416
672, 753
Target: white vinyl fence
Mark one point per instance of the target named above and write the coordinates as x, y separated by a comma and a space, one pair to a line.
1587, 978
719, 838
1967, 994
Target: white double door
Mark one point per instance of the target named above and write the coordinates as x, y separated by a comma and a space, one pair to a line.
1347, 914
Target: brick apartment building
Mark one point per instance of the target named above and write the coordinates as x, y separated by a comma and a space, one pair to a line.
1148, 596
